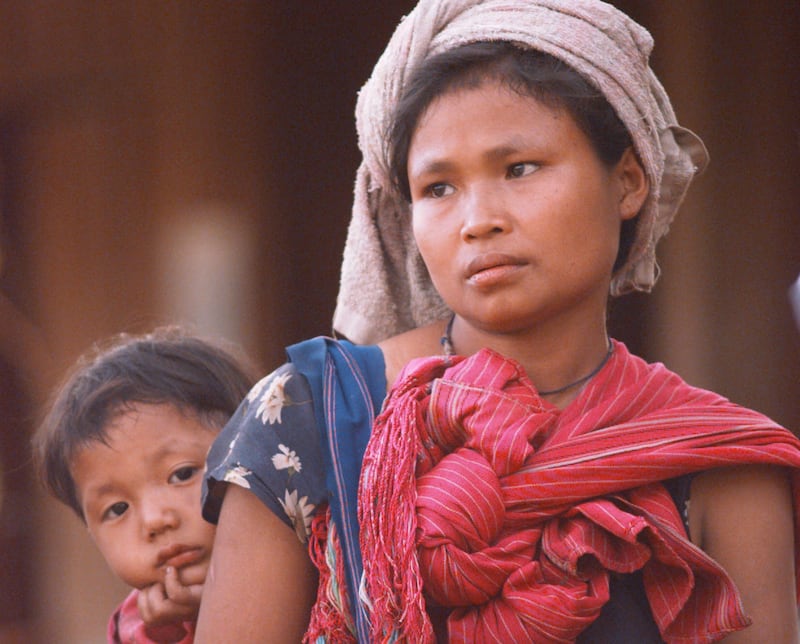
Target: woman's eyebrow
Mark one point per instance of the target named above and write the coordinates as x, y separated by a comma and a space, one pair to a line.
434, 165
500, 152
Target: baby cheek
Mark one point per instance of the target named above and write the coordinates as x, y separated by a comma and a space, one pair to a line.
209, 532
125, 558
193, 575
136, 572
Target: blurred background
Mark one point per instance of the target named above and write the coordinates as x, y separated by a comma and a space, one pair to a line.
190, 161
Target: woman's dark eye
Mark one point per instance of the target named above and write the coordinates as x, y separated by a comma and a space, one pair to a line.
438, 190
518, 170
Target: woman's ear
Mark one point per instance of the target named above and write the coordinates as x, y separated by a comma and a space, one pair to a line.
634, 184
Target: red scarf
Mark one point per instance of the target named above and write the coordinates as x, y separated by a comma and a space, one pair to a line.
480, 497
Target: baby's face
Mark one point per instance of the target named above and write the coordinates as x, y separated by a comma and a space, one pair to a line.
140, 495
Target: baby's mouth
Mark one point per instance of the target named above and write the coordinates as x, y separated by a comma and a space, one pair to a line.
178, 555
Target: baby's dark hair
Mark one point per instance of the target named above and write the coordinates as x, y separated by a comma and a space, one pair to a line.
200, 377
525, 71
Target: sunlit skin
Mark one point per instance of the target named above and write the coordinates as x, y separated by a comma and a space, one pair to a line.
518, 222
140, 496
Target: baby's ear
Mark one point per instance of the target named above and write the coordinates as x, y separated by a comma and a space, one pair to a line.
633, 182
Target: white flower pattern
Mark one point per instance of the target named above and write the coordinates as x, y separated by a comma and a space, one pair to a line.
299, 511
257, 388
238, 475
287, 460
265, 449
273, 400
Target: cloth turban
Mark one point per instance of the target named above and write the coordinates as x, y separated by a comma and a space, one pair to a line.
385, 288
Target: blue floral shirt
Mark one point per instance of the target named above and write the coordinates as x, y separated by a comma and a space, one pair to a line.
271, 447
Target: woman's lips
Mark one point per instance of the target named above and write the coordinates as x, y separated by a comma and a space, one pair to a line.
491, 268
179, 555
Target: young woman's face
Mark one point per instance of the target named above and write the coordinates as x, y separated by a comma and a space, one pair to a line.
140, 495
515, 216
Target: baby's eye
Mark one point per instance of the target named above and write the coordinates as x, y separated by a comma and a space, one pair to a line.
439, 190
518, 170
183, 474
116, 510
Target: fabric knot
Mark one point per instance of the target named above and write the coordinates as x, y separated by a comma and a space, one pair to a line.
522, 548
463, 559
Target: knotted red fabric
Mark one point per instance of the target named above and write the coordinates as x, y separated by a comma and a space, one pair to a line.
478, 496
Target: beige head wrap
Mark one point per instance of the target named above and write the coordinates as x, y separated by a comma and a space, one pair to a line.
385, 287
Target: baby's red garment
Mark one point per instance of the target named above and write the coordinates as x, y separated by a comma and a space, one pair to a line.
126, 627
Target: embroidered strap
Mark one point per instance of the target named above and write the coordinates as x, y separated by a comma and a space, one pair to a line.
348, 384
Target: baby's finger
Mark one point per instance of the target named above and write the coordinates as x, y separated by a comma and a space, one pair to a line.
190, 576
188, 596
150, 603
157, 609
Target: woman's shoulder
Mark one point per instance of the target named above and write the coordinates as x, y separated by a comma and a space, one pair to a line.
743, 518
400, 349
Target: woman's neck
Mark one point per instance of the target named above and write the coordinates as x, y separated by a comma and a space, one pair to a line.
559, 360
399, 350
551, 359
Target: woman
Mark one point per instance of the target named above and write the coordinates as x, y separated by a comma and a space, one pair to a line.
527, 479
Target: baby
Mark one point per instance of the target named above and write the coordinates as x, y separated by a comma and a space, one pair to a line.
124, 444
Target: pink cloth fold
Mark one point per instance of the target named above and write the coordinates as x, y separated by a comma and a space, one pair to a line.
513, 513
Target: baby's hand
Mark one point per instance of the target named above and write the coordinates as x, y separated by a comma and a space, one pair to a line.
171, 601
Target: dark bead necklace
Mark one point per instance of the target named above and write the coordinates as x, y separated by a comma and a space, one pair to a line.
447, 347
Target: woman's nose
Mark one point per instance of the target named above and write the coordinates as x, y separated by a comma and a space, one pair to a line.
484, 213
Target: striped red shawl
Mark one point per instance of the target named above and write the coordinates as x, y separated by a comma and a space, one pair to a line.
487, 500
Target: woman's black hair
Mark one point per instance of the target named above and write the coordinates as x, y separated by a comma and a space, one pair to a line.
525, 71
